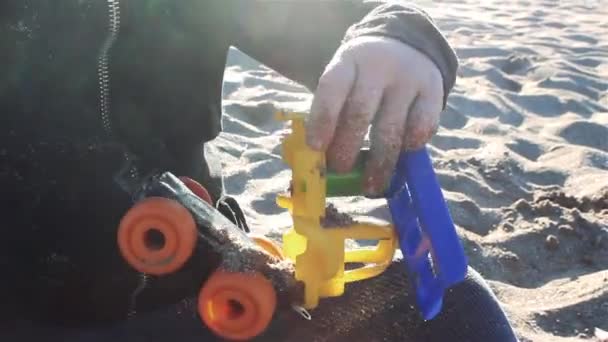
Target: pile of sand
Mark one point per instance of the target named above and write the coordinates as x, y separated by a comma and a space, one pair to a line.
522, 155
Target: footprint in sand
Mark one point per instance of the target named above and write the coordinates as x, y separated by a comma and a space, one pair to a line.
513, 64
452, 119
268, 81
236, 184
586, 315
266, 168
556, 24
467, 214
265, 205
569, 85
257, 114
525, 148
527, 19
597, 159
581, 38
478, 52
516, 64
502, 81
530, 245
486, 127
551, 105
545, 177
449, 142
484, 108
575, 157
586, 133
587, 62
246, 130
478, 189
511, 117
256, 155
229, 87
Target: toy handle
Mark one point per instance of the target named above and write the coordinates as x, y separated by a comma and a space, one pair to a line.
425, 230
434, 216
376, 260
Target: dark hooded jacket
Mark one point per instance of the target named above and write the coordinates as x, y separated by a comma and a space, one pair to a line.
93, 92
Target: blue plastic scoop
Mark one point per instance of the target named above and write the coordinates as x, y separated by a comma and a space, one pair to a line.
432, 250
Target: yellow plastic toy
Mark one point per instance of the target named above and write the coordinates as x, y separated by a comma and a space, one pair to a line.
319, 252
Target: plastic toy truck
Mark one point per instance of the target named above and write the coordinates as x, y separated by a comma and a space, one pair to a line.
421, 222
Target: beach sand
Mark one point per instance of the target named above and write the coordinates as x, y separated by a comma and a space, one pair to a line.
521, 154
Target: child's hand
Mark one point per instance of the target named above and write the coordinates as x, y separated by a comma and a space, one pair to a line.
382, 82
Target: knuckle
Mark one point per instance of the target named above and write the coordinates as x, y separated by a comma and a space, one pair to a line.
357, 104
386, 142
420, 112
426, 108
352, 130
363, 101
321, 110
324, 122
389, 130
357, 121
341, 156
418, 135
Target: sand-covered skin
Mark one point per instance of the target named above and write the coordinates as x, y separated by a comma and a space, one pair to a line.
522, 155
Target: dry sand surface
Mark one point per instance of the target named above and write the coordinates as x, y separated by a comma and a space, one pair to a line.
522, 155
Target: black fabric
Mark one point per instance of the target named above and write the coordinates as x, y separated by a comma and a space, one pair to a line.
381, 309
232, 210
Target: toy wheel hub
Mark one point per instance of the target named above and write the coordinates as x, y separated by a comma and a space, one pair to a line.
157, 236
155, 245
237, 306
155, 239
234, 311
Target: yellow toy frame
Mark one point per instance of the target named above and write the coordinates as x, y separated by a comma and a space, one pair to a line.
319, 252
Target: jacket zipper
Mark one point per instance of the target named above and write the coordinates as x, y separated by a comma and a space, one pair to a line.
106, 120
104, 79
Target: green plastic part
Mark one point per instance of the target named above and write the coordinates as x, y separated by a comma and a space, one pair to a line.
344, 184
347, 184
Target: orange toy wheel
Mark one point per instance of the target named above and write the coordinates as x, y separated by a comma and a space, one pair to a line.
237, 306
197, 189
157, 236
268, 245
